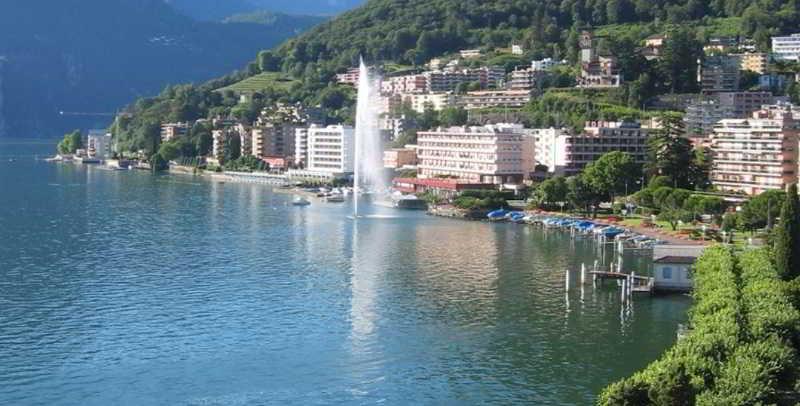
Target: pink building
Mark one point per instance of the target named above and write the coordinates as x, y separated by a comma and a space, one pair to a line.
494, 154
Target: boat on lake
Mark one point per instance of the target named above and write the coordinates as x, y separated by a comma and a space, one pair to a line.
300, 201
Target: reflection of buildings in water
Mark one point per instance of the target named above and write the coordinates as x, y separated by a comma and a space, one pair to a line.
458, 268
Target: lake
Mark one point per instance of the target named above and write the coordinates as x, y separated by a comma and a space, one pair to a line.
125, 288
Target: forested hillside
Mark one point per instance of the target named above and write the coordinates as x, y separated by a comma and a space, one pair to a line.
411, 32
94, 56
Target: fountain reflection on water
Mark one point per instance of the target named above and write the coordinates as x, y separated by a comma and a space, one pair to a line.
368, 165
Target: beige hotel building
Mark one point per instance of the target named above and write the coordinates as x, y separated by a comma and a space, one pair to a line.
756, 154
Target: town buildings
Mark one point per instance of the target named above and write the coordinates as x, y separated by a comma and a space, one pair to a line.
301, 146
544, 64
744, 103
653, 46
601, 137
550, 148
525, 79
701, 117
756, 154
493, 154
98, 144
350, 77
496, 99
331, 150
430, 101
719, 73
757, 62
596, 70
274, 140
786, 48
171, 131
397, 158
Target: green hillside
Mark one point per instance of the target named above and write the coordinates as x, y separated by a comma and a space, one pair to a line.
406, 33
261, 82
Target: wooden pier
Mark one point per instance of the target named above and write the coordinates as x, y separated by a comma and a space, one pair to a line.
639, 284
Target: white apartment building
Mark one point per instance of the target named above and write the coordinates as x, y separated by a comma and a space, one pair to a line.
301, 146
550, 148
756, 154
493, 154
331, 149
218, 147
786, 48
496, 98
544, 64
434, 101
98, 144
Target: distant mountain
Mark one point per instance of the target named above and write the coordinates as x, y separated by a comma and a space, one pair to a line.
216, 10
93, 56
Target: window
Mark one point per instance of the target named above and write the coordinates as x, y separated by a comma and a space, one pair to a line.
666, 272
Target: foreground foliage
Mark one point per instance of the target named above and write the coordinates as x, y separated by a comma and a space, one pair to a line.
742, 348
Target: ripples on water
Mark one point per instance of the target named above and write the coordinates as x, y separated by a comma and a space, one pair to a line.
124, 288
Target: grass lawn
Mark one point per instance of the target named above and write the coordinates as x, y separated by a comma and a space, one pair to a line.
260, 82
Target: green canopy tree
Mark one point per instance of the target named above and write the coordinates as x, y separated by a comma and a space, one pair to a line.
612, 174
670, 154
786, 250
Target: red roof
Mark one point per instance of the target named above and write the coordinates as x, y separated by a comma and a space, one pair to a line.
447, 184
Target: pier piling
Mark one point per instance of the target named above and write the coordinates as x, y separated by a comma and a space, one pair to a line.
566, 280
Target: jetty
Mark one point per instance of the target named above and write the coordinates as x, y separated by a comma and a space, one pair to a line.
639, 284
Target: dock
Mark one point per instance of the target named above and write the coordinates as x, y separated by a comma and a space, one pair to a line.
639, 284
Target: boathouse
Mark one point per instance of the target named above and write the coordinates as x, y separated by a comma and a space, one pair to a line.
672, 267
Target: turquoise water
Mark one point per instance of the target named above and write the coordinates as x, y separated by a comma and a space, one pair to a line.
123, 288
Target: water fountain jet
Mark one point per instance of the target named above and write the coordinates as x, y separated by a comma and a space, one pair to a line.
368, 162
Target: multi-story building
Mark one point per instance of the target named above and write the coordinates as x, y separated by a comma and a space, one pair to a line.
394, 126
301, 146
744, 103
525, 79
719, 73
601, 137
470, 53
550, 148
702, 115
245, 142
496, 98
397, 158
274, 140
720, 44
756, 154
405, 84
596, 71
331, 149
544, 64
350, 77
753, 61
220, 144
98, 144
430, 101
494, 154
653, 46
786, 48
447, 80
171, 131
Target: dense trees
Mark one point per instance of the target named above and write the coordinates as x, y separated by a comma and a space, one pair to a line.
787, 239
72, 142
740, 348
613, 174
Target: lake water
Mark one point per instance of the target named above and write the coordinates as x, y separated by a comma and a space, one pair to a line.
124, 288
